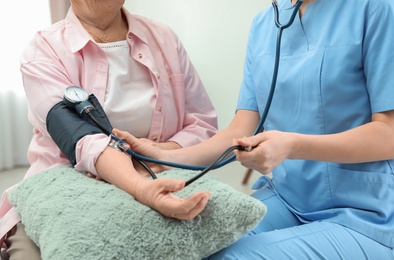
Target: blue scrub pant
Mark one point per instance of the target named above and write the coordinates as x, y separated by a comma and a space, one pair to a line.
280, 235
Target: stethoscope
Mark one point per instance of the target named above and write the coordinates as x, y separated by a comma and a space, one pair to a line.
84, 107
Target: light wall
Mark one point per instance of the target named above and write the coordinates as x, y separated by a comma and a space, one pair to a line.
20, 20
214, 32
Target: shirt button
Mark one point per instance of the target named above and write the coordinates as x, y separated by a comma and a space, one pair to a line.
158, 76
140, 55
159, 109
154, 138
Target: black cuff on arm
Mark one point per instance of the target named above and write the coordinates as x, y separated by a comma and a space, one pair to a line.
67, 127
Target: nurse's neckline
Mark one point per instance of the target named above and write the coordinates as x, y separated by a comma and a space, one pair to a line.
303, 6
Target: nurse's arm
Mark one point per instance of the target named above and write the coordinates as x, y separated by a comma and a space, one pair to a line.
243, 124
373, 141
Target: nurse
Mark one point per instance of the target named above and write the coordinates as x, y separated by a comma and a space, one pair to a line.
329, 135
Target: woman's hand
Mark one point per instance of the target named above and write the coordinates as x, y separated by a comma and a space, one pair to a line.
115, 167
270, 149
91, 175
158, 194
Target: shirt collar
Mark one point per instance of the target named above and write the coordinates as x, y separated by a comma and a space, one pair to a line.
76, 34
134, 28
79, 37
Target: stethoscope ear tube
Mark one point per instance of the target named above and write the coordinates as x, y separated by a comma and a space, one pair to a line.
281, 27
296, 7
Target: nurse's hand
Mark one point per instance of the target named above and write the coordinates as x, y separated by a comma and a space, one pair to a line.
156, 168
158, 194
139, 145
144, 147
164, 146
270, 149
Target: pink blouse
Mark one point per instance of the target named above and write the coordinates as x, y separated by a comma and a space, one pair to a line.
66, 55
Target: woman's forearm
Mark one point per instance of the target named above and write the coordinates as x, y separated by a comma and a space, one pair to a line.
115, 167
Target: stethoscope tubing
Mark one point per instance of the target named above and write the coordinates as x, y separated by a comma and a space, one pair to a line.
222, 161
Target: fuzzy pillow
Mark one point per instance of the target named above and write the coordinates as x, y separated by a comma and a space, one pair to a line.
71, 216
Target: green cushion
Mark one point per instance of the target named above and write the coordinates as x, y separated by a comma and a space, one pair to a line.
71, 216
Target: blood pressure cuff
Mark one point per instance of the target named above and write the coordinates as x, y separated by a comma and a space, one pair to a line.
67, 127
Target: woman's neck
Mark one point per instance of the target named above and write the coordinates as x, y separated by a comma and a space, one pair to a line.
104, 25
112, 32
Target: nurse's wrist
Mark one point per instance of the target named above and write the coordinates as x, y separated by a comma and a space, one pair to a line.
294, 146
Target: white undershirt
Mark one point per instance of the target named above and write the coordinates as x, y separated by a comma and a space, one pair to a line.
130, 92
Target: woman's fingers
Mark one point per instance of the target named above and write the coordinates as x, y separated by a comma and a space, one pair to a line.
194, 205
159, 195
91, 175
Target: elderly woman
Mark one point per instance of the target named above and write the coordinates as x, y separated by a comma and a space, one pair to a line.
145, 82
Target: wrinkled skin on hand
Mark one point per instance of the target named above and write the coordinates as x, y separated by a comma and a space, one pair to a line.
158, 194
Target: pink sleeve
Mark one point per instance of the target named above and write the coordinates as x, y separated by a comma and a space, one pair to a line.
87, 151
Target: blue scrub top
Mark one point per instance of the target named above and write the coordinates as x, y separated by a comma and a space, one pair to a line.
336, 69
